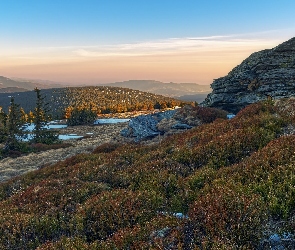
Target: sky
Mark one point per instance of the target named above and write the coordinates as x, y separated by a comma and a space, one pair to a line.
104, 41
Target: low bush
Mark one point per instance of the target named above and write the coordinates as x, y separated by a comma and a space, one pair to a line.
223, 185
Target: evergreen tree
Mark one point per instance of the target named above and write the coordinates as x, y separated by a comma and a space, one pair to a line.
3, 125
41, 118
81, 117
14, 127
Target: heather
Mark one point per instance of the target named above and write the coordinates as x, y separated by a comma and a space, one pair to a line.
227, 184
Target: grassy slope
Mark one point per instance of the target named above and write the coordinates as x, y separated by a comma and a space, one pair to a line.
233, 179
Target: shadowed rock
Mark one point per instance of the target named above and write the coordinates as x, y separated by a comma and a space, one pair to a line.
145, 126
265, 74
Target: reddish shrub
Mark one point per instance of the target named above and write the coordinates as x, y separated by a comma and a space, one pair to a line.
227, 213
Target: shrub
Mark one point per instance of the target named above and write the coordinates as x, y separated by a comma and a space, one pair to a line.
194, 115
81, 117
227, 213
105, 214
106, 148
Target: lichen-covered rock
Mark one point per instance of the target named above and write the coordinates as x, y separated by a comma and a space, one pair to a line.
145, 126
265, 74
165, 125
181, 126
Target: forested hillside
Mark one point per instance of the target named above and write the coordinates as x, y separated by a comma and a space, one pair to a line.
99, 99
229, 184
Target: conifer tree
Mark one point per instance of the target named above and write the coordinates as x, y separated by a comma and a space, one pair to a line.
3, 125
81, 117
40, 118
15, 127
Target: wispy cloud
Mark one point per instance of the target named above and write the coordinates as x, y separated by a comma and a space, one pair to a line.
173, 45
193, 46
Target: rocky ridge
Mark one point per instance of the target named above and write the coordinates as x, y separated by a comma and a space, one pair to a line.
265, 74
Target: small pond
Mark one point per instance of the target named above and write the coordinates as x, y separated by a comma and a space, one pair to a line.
110, 120
69, 136
31, 126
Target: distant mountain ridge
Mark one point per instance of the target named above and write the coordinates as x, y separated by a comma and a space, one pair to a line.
265, 74
168, 89
22, 84
12, 90
197, 92
27, 85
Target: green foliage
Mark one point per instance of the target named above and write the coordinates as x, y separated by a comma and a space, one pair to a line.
14, 126
40, 119
3, 125
232, 180
81, 117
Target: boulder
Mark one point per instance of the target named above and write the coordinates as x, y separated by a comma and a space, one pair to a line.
145, 126
165, 125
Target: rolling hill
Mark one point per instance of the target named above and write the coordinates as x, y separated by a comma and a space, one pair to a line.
101, 99
224, 185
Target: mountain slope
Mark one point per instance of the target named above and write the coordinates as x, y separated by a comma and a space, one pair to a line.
265, 74
224, 185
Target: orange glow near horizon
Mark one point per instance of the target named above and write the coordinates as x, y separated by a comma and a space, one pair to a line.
188, 62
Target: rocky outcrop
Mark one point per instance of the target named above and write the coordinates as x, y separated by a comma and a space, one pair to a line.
145, 126
265, 74
170, 122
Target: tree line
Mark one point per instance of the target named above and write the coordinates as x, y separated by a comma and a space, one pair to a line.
13, 126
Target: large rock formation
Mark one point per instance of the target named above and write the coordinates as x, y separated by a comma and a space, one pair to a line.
265, 74
145, 126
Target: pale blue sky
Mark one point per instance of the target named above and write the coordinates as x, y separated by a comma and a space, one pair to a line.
59, 32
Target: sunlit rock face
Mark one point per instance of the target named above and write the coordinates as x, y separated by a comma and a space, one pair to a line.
265, 74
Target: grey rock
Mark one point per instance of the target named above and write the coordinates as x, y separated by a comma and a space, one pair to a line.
181, 126
265, 74
145, 126
278, 242
165, 124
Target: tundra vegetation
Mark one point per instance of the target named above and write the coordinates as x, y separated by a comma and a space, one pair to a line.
227, 184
